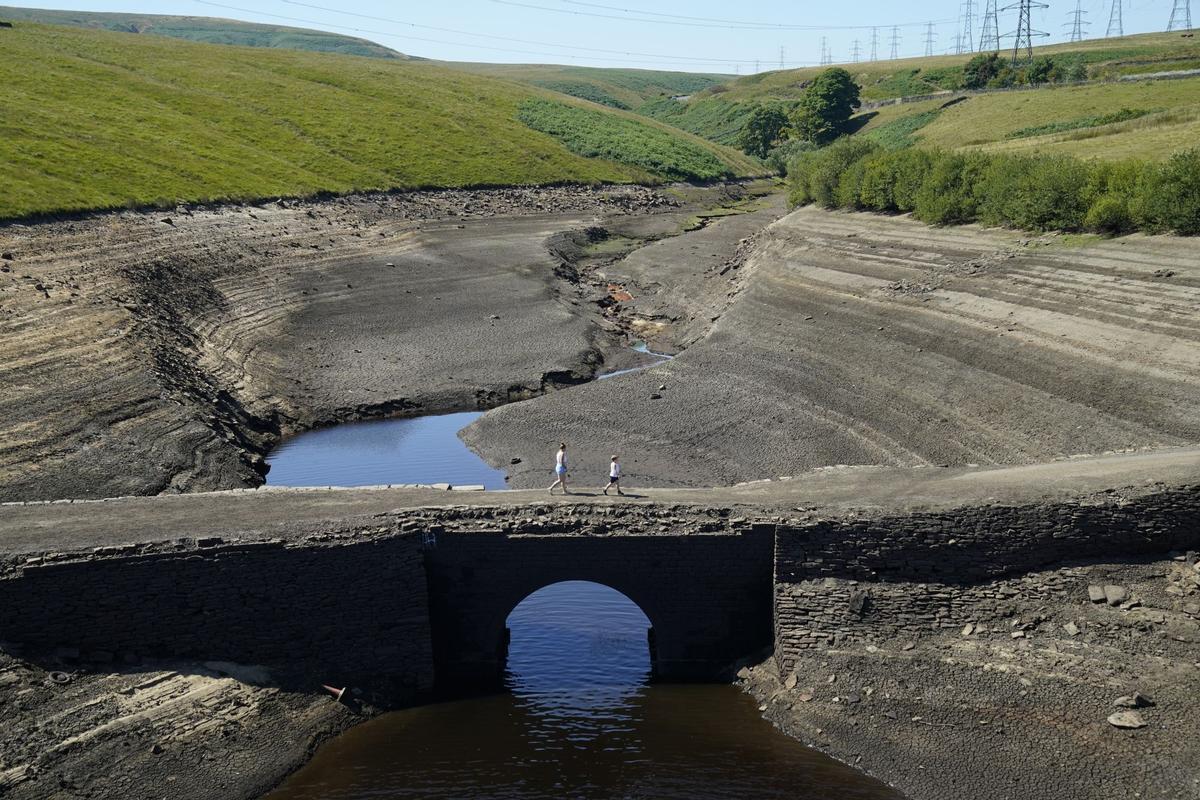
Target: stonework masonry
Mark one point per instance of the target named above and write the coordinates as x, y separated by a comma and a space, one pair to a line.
339, 613
910, 575
413, 598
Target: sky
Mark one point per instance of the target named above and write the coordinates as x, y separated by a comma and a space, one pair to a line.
686, 35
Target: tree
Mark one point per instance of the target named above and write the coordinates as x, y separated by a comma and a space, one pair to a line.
980, 70
826, 107
762, 130
1041, 70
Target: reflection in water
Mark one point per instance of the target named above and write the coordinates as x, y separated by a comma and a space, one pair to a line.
580, 722
378, 452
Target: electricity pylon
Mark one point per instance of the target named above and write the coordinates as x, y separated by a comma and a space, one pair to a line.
990, 38
966, 39
929, 37
874, 44
855, 52
895, 43
1078, 23
1023, 37
1116, 26
1181, 16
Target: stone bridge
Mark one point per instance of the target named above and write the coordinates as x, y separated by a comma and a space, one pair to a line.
405, 591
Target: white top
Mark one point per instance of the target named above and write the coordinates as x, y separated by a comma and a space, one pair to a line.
614, 470
561, 459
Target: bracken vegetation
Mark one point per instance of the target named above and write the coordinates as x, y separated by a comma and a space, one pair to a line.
1033, 192
626, 140
94, 120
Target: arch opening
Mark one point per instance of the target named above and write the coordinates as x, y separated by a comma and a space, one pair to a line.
577, 640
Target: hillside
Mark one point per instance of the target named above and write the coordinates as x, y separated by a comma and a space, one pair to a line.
207, 29
619, 88
94, 119
718, 113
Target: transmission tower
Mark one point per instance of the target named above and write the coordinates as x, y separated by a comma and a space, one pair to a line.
874, 44
855, 52
1078, 23
826, 53
990, 38
929, 37
895, 43
1181, 16
1023, 37
1116, 27
966, 37
781, 56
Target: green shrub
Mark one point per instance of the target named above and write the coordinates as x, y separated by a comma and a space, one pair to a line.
1109, 214
1042, 192
947, 196
1168, 196
833, 162
780, 157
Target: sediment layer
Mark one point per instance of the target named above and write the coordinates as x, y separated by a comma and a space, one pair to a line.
861, 339
145, 353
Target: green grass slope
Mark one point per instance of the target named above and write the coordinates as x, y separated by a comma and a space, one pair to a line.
206, 29
91, 120
717, 113
619, 88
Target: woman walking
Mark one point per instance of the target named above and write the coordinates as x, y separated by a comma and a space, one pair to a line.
560, 469
614, 476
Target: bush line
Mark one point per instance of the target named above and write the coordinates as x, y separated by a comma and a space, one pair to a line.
1032, 192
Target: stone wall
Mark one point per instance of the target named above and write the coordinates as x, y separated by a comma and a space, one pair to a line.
707, 595
348, 613
905, 576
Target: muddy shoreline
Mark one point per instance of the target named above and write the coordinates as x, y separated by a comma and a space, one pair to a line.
165, 352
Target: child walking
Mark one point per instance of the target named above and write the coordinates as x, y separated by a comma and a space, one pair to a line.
614, 476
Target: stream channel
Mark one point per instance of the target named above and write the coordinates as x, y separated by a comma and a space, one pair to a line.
581, 717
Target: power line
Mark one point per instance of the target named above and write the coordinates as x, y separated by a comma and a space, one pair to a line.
895, 42
1116, 26
1025, 33
1181, 16
687, 21
655, 58
990, 38
929, 37
1077, 22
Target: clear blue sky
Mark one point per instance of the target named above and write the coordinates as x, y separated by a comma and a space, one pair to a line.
691, 35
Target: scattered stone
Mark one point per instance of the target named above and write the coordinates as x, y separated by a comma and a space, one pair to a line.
167, 221
872, 649
156, 749
968, 629
805, 696
1115, 595
1126, 719
1135, 700
656, 396
7, 256
743, 673
1096, 594
1071, 628
907, 646
790, 683
762, 707
514, 460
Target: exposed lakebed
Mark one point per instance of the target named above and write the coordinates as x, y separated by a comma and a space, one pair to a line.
411, 450
582, 720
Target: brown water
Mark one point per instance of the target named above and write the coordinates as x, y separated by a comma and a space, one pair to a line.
580, 721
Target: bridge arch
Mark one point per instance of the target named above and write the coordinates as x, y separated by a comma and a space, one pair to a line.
708, 597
